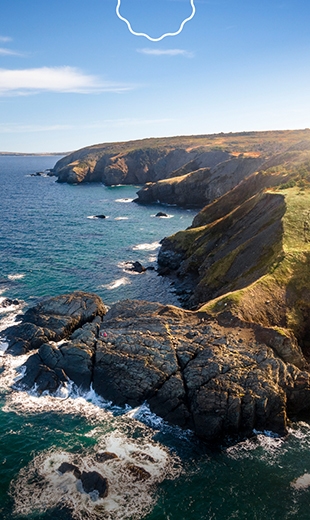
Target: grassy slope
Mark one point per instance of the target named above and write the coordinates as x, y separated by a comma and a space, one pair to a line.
281, 297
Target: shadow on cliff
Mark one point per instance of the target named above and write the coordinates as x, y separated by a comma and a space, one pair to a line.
298, 301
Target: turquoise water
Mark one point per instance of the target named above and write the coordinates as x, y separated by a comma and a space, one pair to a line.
48, 245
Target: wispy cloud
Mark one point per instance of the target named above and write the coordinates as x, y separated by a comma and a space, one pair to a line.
18, 128
9, 52
5, 39
54, 79
166, 52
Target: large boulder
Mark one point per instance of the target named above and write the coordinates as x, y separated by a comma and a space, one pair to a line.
93, 481
53, 365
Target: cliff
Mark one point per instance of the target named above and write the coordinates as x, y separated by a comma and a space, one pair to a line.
225, 157
198, 188
248, 252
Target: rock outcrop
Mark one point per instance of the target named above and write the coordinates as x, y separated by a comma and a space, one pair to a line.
53, 319
215, 376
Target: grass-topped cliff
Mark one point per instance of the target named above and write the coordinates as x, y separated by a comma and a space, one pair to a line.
249, 251
185, 162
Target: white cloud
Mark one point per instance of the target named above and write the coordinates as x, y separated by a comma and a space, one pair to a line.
5, 39
166, 52
54, 79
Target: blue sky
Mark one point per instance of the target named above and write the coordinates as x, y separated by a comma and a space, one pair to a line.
72, 75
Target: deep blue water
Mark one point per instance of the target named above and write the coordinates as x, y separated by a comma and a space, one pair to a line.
48, 239
48, 245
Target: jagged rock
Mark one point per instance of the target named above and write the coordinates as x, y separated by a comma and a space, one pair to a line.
137, 267
192, 374
41, 375
7, 302
53, 320
72, 360
67, 467
105, 455
284, 344
93, 481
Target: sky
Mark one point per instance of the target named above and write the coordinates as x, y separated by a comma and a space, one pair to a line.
73, 75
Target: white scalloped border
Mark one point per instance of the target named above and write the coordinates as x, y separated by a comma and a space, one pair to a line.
164, 35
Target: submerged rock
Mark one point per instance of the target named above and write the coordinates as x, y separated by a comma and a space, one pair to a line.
8, 302
105, 456
137, 472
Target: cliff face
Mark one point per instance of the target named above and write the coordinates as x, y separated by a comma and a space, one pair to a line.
135, 162
152, 160
202, 186
135, 167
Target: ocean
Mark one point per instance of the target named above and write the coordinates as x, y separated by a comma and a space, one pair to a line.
51, 243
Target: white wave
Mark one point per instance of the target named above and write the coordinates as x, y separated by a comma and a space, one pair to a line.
68, 400
143, 413
269, 442
40, 487
13, 277
11, 370
127, 268
124, 201
117, 283
146, 247
121, 218
152, 258
9, 316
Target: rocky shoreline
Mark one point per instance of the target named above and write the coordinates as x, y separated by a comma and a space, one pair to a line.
216, 377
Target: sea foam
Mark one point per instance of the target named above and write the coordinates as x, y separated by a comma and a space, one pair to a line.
146, 247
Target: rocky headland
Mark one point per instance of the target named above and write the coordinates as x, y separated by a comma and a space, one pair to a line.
237, 359
215, 376
189, 171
